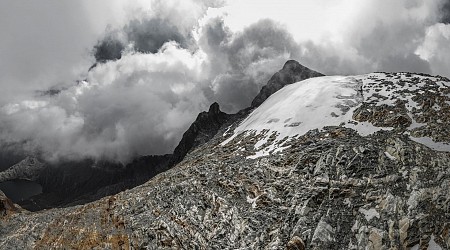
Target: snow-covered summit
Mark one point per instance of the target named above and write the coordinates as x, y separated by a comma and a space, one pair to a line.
365, 103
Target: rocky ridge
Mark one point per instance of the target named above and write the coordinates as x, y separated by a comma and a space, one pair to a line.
27, 169
372, 175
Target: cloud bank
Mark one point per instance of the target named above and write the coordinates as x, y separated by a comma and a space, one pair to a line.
164, 61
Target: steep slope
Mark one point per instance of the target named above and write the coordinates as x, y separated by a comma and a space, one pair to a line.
201, 130
291, 72
363, 163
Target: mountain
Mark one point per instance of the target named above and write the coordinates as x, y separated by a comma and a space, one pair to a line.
70, 182
333, 162
291, 72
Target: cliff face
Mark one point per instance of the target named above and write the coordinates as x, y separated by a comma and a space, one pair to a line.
359, 162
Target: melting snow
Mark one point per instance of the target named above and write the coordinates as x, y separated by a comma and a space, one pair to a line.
427, 141
329, 101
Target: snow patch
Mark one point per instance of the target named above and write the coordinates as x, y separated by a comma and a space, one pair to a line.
369, 214
427, 141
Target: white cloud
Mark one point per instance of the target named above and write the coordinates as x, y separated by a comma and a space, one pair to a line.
435, 48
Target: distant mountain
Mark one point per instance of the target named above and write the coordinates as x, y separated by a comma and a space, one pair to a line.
333, 162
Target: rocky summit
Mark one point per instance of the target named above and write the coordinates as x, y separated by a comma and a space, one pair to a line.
332, 162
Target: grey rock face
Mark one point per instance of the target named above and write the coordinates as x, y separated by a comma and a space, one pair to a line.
291, 72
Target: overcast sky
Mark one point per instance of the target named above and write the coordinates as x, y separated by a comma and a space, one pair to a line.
159, 63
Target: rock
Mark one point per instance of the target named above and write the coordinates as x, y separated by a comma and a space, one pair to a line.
403, 226
296, 243
323, 234
77, 182
7, 207
375, 239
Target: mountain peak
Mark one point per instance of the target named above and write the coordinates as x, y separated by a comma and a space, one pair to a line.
214, 109
291, 72
292, 64
201, 130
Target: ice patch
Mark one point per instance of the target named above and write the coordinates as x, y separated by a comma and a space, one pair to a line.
427, 141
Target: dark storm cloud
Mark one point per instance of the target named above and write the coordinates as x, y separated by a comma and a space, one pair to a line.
146, 35
42, 44
110, 48
149, 35
445, 12
242, 62
392, 48
143, 102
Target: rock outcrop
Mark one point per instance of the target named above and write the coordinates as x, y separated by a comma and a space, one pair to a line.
7, 207
291, 72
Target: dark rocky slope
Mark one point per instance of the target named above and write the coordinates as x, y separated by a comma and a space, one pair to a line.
202, 130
